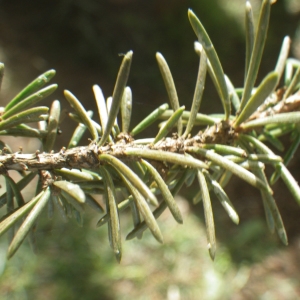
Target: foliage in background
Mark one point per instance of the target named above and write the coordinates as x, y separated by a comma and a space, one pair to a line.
178, 268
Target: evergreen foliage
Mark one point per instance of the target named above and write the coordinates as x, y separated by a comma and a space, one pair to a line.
144, 175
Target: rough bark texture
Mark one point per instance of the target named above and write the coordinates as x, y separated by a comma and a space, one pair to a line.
87, 157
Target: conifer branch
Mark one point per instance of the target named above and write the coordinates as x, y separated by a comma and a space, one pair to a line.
149, 172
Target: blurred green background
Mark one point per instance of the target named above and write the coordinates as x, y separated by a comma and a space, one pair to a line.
82, 40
